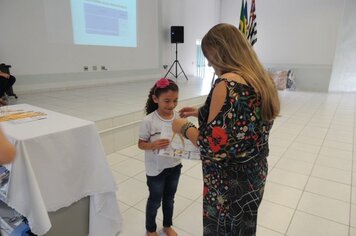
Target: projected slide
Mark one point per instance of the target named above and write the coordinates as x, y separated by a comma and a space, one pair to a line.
105, 22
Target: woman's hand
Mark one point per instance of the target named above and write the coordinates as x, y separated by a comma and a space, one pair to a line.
188, 111
177, 125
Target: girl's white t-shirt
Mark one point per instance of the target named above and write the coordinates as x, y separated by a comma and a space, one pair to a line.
150, 130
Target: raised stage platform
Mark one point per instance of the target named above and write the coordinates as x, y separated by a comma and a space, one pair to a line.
117, 109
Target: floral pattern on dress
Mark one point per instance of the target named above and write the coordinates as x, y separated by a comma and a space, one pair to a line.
217, 139
233, 147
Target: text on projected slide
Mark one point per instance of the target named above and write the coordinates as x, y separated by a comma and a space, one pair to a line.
107, 22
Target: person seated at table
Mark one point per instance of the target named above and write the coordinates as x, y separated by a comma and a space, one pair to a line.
7, 150
6, 82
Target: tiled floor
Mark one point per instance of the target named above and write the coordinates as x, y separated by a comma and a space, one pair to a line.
311, 187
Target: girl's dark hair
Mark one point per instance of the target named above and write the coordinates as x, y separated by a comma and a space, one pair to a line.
151, 106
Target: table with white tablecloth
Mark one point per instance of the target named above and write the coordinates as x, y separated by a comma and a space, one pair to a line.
59, 160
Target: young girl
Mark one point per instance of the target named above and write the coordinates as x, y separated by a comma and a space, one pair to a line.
162, 172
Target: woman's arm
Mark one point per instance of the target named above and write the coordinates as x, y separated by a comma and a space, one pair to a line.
191, 133
217, 102
188, 111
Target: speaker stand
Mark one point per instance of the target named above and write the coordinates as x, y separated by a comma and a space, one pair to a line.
176, 63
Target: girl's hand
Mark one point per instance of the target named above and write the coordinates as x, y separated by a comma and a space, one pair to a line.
160, 144
177, 125
188, 111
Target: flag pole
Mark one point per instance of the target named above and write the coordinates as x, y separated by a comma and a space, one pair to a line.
252, 26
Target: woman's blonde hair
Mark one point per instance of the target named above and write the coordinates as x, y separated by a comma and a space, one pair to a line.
228, 50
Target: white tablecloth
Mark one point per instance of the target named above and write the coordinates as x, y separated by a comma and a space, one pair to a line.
60, 160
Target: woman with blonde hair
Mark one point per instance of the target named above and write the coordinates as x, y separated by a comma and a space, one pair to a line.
234, 126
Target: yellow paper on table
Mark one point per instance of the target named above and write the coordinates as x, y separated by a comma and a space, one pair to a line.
21, 115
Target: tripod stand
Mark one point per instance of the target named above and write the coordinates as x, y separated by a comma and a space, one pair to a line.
176, 62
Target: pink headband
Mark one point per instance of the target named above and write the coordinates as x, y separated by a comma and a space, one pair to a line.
162, 83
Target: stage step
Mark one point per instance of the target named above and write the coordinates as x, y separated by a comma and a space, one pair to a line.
121, 131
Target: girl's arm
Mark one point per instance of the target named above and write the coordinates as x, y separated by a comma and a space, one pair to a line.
158, 144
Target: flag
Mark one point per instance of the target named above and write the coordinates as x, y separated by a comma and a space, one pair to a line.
243, 18
252, 24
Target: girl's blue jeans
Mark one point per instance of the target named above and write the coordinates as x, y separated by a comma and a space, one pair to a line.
162, 188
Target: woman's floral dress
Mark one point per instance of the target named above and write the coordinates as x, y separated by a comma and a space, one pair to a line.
233, 147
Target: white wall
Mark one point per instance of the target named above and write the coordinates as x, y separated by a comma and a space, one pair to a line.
295, 34
343, 77
27, 44
40, 55
197, 17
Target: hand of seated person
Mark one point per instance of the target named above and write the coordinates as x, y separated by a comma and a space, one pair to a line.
5, 75
7, 150
2, 102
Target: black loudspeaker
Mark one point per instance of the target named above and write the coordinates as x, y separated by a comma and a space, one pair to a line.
177, 34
